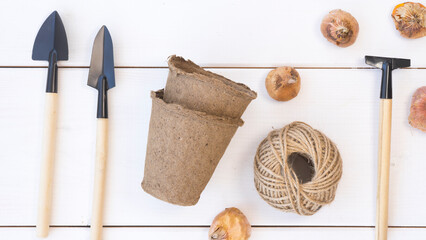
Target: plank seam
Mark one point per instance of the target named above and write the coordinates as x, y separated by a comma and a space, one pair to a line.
208, 67
208, 226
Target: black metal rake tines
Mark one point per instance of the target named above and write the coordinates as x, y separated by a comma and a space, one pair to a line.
387, 65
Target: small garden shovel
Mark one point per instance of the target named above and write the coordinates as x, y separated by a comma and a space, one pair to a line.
50, 45
101, 77
387, 65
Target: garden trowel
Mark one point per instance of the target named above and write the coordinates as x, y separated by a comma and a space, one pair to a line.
50, 45
101, 77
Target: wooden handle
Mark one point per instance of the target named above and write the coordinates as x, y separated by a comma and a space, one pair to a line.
383, 168
99, 184
46, 175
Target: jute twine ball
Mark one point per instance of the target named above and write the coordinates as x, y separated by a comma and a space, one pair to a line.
276, 181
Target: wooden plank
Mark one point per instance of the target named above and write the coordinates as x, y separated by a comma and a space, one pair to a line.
341, 103
215, 33
202, 233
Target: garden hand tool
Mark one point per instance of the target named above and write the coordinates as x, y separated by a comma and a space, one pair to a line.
387, 65
50, 45
101, 77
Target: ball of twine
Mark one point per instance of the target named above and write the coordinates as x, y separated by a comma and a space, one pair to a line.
277, 182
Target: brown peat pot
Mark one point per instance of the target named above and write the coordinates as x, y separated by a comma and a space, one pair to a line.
195, 88
184, 148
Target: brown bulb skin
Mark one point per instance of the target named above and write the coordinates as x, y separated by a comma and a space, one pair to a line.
410, 19
283, 83
230, 224
340, 28
417, 116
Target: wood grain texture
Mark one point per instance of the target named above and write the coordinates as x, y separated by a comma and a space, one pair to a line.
341, 103
47, 164
212, 33
383, 166
100, 178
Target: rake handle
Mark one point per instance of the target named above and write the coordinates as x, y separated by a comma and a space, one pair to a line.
383, 169
46, 174
99, 183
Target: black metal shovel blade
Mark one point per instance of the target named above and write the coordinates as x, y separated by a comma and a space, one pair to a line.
51, 36
102, 62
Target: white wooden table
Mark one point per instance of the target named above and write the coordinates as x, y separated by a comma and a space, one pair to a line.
242, 40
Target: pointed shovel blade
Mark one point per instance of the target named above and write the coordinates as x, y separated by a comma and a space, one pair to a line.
102, 62
51, 36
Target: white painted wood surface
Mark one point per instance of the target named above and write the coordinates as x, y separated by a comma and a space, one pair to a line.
343, 103
201, 233
212, 33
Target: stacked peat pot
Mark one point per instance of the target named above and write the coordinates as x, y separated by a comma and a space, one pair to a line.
192, 122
